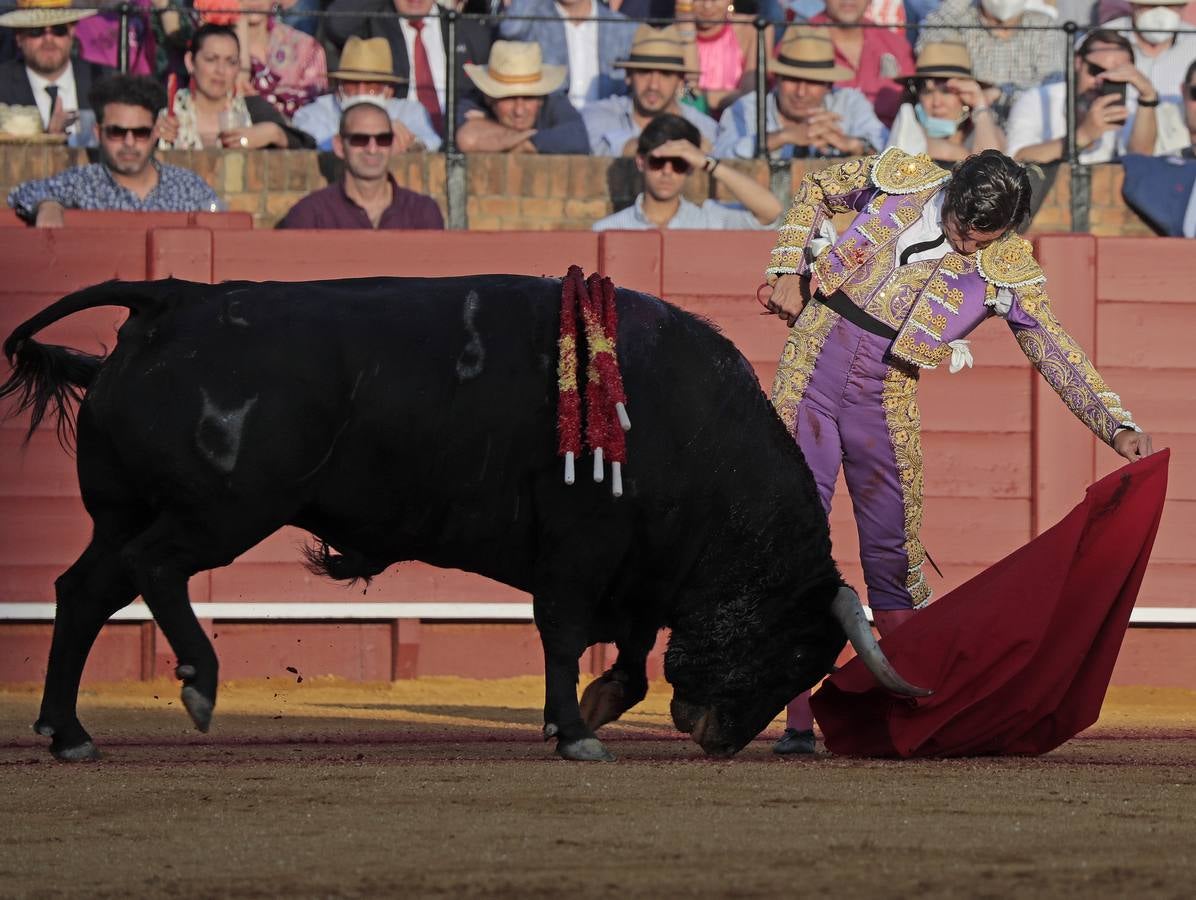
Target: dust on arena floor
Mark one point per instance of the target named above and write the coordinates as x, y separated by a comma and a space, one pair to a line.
441, 787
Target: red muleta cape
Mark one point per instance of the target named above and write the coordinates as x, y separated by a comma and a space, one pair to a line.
1019, 657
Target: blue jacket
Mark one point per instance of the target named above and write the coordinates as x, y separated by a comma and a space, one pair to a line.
614, 40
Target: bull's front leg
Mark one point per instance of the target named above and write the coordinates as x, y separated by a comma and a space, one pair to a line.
563, 646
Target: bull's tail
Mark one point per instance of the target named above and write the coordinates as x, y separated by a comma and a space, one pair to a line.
48, 377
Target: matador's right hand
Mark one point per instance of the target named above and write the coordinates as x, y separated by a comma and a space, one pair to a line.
790, 295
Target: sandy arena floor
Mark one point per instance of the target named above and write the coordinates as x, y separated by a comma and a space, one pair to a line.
440, 787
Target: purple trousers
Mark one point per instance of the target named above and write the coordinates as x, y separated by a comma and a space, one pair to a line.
847, 403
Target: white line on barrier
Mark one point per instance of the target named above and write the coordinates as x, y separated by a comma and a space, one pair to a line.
1144, 616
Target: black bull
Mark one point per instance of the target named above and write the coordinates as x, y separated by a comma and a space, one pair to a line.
415, 419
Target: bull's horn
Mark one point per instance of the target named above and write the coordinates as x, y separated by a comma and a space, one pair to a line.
850, 612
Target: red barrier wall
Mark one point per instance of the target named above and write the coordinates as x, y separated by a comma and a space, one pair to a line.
1004, 459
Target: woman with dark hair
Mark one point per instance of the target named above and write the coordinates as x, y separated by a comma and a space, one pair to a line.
944, 113
930, 255
210, 113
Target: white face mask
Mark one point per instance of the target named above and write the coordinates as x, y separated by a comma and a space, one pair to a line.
1155, 24
1004, 10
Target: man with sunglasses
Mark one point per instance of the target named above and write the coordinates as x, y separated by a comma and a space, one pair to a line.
1117, 109
47, 76
127, 177
1189, 95
367, 196
667, 153
929, 255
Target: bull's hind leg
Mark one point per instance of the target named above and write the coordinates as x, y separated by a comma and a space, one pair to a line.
87, 594
621, 686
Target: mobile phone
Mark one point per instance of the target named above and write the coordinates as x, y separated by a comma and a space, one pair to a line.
1114, 87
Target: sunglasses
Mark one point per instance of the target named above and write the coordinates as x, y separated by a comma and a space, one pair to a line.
56, 30
1192, 91
120, 133
680, 166
385, 139
1094, 70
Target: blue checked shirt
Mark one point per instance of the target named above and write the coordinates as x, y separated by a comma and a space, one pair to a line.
92, 187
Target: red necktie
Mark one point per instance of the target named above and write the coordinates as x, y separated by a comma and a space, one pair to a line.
425, 87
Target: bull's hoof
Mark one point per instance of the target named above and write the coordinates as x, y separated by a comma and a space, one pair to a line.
198, 707
85, 752
584, 750
603, 701
184, 672
44, 728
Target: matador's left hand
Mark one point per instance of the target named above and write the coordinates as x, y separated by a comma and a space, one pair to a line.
1133, 445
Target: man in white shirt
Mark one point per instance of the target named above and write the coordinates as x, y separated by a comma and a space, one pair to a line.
47, 77
668, 152
1116, 108
1159, 53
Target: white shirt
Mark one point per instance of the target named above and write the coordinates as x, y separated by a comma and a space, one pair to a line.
581, 42
711, 215
434, 45
66, 93
1039, 115
1165, 70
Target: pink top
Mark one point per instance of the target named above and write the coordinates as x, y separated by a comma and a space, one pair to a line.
99, 40
721, 60
886, 54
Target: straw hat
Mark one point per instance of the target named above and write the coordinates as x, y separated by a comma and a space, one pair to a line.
367, 59
515, 69
657, 49
948, 60
40, 13
807, 53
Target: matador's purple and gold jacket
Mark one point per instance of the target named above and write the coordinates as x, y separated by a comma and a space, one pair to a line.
934, 302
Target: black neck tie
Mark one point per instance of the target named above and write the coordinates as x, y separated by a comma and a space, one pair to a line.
52, 90
920, 248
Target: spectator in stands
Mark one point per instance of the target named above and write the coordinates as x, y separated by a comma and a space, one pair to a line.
418, 44
278, 62
47, 77
656, 71
366, 69
726, 45
1004, 57
210, 114
876, 57
127, 176
524, 111
805, 115
946, 114
1160, 55
1109, 123
158, 33
667, 152
367, 196
587, 49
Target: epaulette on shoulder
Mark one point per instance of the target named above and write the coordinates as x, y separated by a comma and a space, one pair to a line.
1010, 263
897, 172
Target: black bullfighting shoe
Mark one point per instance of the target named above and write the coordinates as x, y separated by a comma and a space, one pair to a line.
794, 742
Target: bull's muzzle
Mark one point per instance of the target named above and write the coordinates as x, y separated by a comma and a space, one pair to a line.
709, 737
685, 714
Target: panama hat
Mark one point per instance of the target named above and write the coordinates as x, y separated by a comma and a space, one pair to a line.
946, 60
41, 13
515, 69
657, 49
367, 59
807, 53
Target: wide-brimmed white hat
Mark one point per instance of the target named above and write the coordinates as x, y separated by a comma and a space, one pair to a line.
516, 69
41, 13
807, 53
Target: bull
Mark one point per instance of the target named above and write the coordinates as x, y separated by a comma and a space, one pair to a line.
414, 419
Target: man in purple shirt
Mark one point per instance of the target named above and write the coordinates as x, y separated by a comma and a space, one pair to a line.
367, 196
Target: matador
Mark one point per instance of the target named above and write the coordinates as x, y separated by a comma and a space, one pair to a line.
929, 255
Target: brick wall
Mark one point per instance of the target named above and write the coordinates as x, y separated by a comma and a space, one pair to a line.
511, 191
